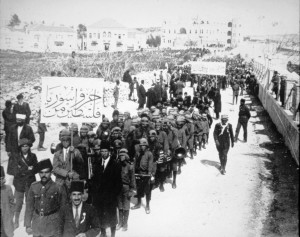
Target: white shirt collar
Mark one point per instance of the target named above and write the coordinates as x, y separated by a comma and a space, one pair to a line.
105, 161
20, 130
74, 209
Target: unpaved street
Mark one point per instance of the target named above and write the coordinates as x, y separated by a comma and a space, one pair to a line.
206, 203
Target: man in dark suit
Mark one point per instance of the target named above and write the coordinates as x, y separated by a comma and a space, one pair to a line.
22, 107
151, 97
78, 218
16, 132
141, 95
223, 134
107, 185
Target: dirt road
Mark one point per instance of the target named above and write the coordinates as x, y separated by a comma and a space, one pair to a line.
256, 197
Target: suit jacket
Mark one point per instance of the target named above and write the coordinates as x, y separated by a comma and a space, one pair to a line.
88, 224
12, 140
62, 166
22, 176
23, 109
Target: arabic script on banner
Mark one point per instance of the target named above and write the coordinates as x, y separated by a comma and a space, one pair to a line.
70, 99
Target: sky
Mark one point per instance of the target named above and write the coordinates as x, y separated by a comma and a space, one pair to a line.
257, 16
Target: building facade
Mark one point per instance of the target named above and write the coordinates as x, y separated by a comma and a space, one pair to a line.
109, 35
197, 33
39, 38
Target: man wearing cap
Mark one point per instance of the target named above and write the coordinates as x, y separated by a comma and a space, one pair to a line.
62, 168
44, 200
172, 134
244, 116
22, 107
107, 184
143, 129
223, 134
181, 138
76, 137
18, 131
103, 130
114, 122
190, 130
24, 174
145, 170
78, 218
128, 185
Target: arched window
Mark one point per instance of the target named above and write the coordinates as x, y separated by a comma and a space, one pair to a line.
182, 31
109, 35
104, 34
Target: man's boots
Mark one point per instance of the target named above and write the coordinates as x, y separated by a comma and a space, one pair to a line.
192, 155
16, 223
147, 209
125, 220
174, 179
120, 224
138, 205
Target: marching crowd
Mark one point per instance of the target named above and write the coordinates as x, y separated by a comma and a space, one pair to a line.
99, 170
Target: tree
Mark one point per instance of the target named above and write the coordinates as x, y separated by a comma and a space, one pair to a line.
14, 21
153, 42
190, 43
81, 33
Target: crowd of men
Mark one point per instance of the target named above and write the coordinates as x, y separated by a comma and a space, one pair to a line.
98, 173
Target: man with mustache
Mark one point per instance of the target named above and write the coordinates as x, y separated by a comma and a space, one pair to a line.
44, 200
78, 218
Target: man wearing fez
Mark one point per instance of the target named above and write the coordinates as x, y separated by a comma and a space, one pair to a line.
62, 162
22, 107
44, 200
16, 132
78, 218
223, 134
107, 185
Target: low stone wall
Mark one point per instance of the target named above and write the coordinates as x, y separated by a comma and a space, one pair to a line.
283, 120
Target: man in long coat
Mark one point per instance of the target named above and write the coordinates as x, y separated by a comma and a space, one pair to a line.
141, 92
151, 97
217, 103
107, 185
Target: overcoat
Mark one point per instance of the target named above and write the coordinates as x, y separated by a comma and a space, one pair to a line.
106, 186
22, 176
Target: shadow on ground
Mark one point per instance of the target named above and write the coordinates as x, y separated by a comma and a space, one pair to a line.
211, 163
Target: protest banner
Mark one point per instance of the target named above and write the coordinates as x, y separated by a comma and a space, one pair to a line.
71, 99
208, 68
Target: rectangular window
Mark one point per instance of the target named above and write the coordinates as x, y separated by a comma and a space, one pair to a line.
98, 35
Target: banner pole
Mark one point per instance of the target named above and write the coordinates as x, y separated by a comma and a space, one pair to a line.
72, 151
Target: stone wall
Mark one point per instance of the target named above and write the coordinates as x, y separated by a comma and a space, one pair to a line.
282, 118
